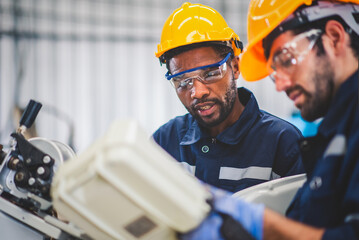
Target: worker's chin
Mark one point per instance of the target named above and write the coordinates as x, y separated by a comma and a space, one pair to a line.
208, 121
310, 113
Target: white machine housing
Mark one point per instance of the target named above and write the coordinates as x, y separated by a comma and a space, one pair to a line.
151, 195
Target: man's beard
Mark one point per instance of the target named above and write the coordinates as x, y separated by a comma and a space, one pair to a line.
316, 104
225, 107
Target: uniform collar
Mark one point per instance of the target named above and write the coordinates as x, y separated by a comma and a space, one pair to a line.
347, 93
233, 134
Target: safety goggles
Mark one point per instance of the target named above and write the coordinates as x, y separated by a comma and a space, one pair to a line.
206, 74
283, 62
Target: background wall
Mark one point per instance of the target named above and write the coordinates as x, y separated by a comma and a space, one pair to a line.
90, 62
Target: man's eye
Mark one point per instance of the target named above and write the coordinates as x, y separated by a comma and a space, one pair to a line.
287, 59
184, 83
213, 74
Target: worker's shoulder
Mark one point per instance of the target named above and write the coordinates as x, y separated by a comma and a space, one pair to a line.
177, 125
277, 124
184, 121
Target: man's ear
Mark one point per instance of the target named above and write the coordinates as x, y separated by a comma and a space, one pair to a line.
236, 66
336, 34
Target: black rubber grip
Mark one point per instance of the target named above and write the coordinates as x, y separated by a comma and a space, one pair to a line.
30, 113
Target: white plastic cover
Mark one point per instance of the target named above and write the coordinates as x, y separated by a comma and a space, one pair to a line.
127, 187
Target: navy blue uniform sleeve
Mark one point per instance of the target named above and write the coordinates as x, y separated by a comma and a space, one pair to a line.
156, 137
349, 229
345, 232
162, 138
165, 135
288, 159
168, 137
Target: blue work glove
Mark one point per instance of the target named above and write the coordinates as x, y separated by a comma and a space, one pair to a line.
250, 215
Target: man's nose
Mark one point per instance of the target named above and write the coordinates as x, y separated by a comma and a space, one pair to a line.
199, 89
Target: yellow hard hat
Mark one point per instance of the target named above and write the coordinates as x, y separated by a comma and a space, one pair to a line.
263, 17
195, 23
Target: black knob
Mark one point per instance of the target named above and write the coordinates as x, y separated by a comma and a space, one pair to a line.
30, 113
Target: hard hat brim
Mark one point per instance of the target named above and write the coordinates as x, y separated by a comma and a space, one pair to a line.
253, 63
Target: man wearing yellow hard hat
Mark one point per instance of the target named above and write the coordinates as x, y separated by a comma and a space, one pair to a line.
225, 139
310, 50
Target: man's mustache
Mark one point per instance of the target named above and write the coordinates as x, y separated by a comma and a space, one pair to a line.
206, 100
295, 88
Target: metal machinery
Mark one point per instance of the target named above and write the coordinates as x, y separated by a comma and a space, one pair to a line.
26, 173
103, 191
123, 187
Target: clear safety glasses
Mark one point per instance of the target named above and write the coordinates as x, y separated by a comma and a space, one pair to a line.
205, 74
283, 62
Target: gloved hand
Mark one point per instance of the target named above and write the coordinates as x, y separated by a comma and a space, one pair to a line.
250, 215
